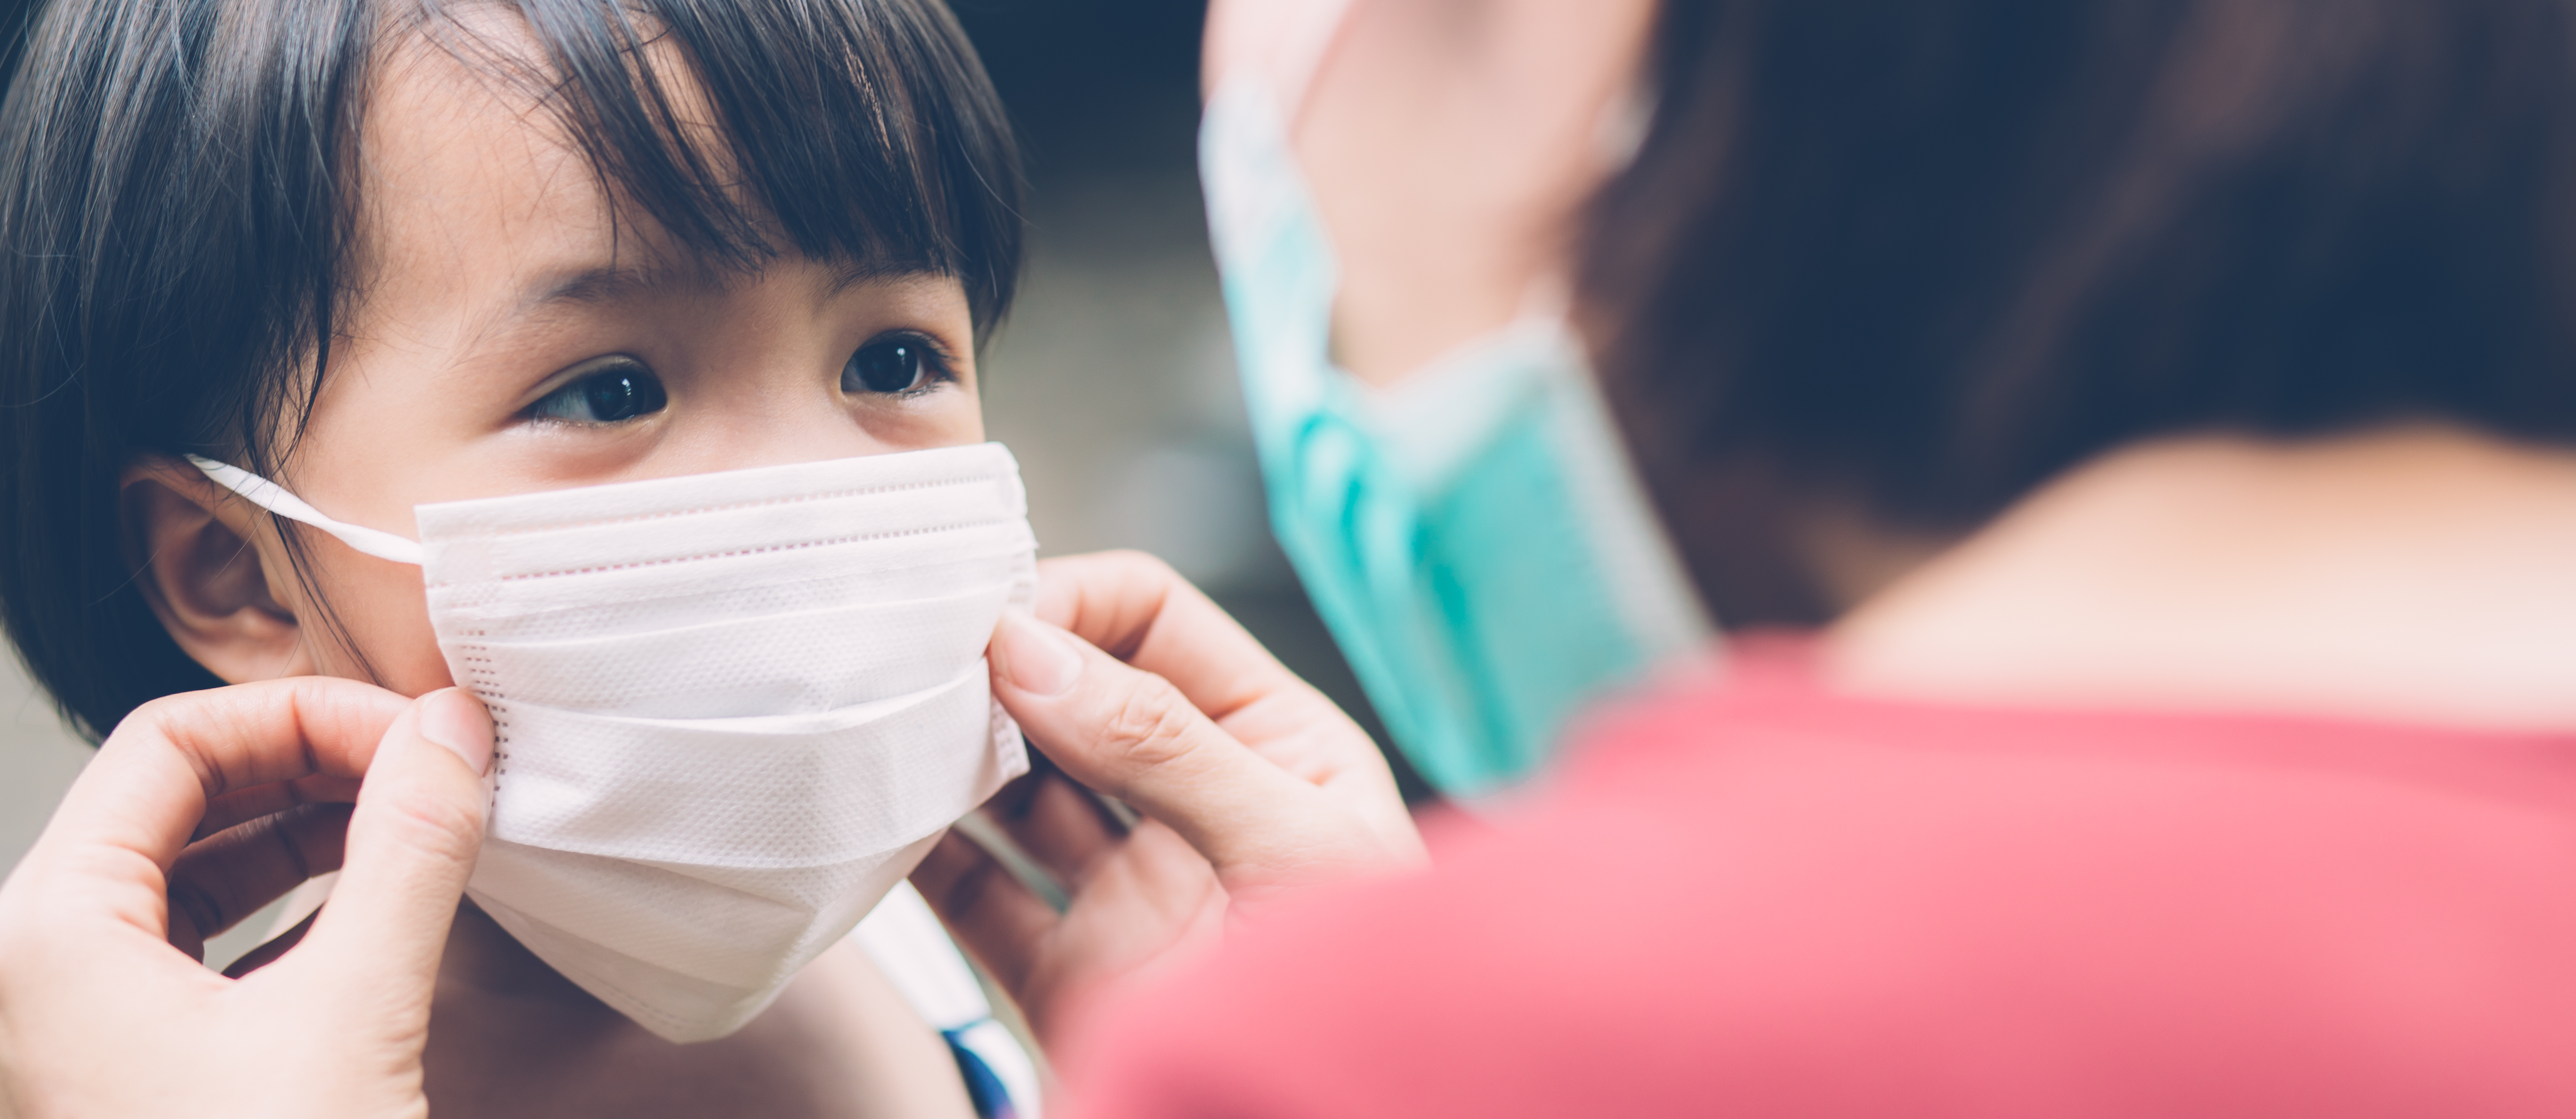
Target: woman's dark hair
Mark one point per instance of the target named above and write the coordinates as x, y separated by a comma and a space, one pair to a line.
1912, 258
178, 185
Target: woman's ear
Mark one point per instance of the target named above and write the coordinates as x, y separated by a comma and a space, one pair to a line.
205, 574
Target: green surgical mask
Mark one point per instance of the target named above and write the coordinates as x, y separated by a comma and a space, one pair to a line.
1474, 535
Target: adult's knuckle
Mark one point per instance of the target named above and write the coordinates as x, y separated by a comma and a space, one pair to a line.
150, 719
186, 723
1151, 723
156, 711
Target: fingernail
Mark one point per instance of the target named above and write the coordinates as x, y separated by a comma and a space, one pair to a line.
452, 719
1035, 657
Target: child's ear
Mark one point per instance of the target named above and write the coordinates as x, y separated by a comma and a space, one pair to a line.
206, 579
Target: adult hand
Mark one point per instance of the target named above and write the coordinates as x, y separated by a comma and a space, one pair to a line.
199, 810
1250, 784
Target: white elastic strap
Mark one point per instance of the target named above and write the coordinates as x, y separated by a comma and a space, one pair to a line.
274, 498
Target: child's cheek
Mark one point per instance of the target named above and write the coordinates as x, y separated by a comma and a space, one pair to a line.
383, 614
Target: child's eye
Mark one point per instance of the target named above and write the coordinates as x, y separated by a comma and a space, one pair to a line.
620, 390
896, 363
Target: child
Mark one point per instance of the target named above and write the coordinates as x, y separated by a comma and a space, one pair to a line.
393, 252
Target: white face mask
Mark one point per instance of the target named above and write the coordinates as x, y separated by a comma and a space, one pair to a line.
733, 709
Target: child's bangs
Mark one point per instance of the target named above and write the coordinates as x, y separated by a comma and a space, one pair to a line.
861, 132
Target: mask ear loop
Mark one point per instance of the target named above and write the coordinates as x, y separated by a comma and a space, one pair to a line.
274, 498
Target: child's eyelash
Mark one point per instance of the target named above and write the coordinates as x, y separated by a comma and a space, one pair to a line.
899, 365
939, 367
941, 360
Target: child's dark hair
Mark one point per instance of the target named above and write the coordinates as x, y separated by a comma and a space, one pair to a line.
1919, 257
178, 186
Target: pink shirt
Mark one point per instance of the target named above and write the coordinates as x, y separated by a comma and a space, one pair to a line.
1757, 898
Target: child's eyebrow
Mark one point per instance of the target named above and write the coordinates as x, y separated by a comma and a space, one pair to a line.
852, 272
607, 283
601, 283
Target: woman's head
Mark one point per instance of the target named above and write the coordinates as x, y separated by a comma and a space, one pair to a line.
1896, 265
395, 251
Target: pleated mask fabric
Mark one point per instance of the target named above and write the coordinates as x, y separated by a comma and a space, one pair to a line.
732, 710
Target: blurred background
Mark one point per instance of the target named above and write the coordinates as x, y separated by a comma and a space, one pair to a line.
1113, 381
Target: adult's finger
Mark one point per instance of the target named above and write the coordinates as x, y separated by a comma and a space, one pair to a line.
992, 913
1158, 895
154, 777
268, 952
411, 846
1134, 607
244, 805
1058, 823
1137, 609
230, 875
136, 805
1134, 736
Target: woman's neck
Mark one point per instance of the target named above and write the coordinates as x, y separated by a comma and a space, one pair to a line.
2416, 574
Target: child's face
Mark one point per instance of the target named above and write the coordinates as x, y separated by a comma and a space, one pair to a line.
515, 333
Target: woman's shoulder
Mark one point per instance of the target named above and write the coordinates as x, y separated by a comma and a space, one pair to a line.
1742, 889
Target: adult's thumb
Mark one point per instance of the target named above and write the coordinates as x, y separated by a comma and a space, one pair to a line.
412, 844
1132, 735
